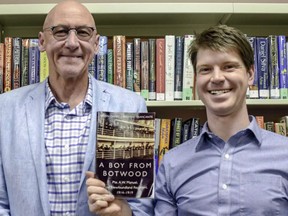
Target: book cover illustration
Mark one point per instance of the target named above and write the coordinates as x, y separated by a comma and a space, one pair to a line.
125, 153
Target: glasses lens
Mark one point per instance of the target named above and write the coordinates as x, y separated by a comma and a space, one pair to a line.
84, 33
60, 32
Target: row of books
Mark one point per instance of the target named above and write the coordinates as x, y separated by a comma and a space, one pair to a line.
280, 127
157, 68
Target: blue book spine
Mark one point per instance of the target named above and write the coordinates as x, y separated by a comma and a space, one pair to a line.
33, 61
273, 67
253, 89
101, 73
263, 69
92, 66
282, 59
178, 85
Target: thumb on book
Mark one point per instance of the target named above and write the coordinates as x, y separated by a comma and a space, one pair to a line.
90, 174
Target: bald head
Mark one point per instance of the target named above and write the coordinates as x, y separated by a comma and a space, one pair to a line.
69, 12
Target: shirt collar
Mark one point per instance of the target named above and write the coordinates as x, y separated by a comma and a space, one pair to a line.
51, 100
253, 129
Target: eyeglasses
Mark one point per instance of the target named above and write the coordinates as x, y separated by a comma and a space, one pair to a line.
61, 32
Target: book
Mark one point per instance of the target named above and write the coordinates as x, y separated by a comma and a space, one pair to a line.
260, 121
269, 126
92, 66
263, 68
152, 69
284, 119
175, 132
164, 142
169, 67
188, 70
273, 67
145, 69
137, 65
280, 128
129, 66
7, 82
2, 62
110, 66
44, 66
33, 61
16, 62
119, 50
125, 153
101, 62
157, 142
253, 89
178, 79
282, 62
25, 62
160, 69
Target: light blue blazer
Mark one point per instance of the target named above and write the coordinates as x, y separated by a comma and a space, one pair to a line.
23, 181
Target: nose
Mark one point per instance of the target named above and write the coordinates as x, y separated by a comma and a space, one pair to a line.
72, 40
217, 75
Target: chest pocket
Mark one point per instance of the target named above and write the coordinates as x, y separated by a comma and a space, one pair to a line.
261, 195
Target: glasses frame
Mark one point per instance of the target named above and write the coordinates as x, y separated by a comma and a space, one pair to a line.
51, 28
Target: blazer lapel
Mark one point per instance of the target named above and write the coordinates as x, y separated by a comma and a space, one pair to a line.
35, 117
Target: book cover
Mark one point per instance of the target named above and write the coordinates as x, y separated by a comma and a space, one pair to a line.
188, 70
169, 67
16, 62
282, 61
8, 64
152, 69
125, 153
119, 49
263, 68
160, 69
129, 66
145, 69
253, 89
101, 62
137, 65
273, 67
25, 62
2, 62
178, 84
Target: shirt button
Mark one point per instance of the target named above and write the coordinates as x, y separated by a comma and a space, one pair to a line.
66, 179
67, 213
227, 156
224, 186
66, 147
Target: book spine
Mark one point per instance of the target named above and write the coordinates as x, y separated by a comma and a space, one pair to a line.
92, 66
273, 67
101, 70
2, 62
16, 62
260, 121
157, 141
188, 70
160, 69
8, 64
284, 119
280, 128
25, 62
186, 125
169, 67
137, 65
152, 69
129, 65
44, 66
33, 61
164, 137
178, 84
144, 70
110, 66
282, 61
175, 133
253, 89
195, 127
269, 126
263, 70
119, 42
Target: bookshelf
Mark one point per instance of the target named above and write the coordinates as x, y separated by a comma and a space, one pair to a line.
149, 18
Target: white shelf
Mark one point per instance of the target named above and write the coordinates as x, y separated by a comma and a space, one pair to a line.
198, 103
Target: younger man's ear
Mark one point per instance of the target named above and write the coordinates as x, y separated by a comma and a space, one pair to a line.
251, 75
